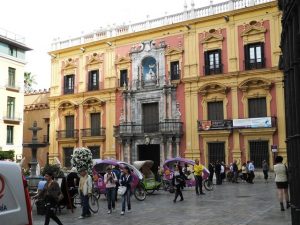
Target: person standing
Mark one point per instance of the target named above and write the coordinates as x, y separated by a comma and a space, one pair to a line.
244, 171
222, 173
198, 169
126, 180
265, 168
117, 172
211, 171
251, 171
50, 194
218, 173
281, 180
177, 181
72, 182
235, 171
110, 180
85, 190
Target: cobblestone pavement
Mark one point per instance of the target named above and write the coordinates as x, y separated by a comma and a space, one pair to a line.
229, 204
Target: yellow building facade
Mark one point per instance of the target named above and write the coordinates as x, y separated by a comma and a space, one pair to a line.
200, 84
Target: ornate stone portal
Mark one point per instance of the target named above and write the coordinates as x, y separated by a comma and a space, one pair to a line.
149, 86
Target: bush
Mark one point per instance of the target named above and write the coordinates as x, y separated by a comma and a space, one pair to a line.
4, 155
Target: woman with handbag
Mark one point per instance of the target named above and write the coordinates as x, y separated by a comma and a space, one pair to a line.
51, 195
177, 182
281, 180
125, 181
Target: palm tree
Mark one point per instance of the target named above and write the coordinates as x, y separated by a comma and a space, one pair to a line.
29, 80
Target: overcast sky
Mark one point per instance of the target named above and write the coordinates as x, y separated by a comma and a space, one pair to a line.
42, 20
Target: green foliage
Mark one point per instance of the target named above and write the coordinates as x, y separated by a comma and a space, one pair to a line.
7, 155
54, 169
29, 80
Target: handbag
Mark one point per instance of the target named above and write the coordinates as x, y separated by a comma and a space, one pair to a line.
122, 190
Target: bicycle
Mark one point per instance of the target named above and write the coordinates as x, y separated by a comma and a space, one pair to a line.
93, 201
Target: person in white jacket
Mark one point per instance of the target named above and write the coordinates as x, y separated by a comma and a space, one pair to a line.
85, 190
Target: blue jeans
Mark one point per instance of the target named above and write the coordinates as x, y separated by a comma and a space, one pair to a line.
85, 205
110, 195
126, 198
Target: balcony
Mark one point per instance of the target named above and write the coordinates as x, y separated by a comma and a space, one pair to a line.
12, 119
12, 87
216, 69
204, 125
247, 123
67, 135
68, 90
93, 133
253, 64
168, 127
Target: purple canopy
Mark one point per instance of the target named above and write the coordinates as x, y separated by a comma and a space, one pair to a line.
181, 160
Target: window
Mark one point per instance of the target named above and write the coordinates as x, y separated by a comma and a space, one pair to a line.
216, 152
69, 84
259, 151
95, 150
95, 124
10, 107
215, 110
12, 51
11, 77
70, 127
257, 107
123, 78
213, 63
254, 56
175, 72
150, 117
9, 135
93, 80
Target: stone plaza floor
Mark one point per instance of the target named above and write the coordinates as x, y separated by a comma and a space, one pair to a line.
228, 204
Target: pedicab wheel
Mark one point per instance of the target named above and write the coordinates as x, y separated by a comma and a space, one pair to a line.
208, 185
149, 191
93, 203
139, 193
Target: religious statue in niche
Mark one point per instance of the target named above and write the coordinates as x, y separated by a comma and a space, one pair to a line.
149, 69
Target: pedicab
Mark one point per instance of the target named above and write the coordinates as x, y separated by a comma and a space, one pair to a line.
99, 169
190, 181
149, 182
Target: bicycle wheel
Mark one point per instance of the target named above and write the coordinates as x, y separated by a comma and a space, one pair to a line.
93, 204
149, 191
139, 193
208, 185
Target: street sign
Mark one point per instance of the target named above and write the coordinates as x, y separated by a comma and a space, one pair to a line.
274, 148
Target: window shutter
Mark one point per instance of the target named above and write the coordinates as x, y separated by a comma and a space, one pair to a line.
246, 55
65, 83
89, 80
262, 45
206, 63
220, 60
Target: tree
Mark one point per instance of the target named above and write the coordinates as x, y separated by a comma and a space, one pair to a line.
29, 80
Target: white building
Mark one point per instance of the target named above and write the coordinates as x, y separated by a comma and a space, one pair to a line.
12, 62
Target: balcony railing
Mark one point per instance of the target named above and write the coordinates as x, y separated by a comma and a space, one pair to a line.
217, 69
92, 132
62, 134
253, 64
15, 118
12, 86
68, 91
167, 127
247, 123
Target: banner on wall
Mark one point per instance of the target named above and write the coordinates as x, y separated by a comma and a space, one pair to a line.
214, 124
261, 122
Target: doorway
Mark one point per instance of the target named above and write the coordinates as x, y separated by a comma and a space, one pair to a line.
150, 152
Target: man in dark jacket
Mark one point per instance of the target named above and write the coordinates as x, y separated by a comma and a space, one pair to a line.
218, 173
235, 171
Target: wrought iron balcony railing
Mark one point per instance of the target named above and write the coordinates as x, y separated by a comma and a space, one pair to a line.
252, 64
62, 134
211, 70
166, 127
89, 132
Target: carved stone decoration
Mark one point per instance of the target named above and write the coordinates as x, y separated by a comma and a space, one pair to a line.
255, 83
147, 140
123, 60
214, 36
177, 112
122, 117
213, 88
69, 64
174, 51
253, 28
95, 58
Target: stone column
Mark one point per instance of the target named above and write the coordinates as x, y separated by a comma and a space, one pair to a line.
162, 152
128, 107
127, 150
169, 103
170, 148
177, 147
